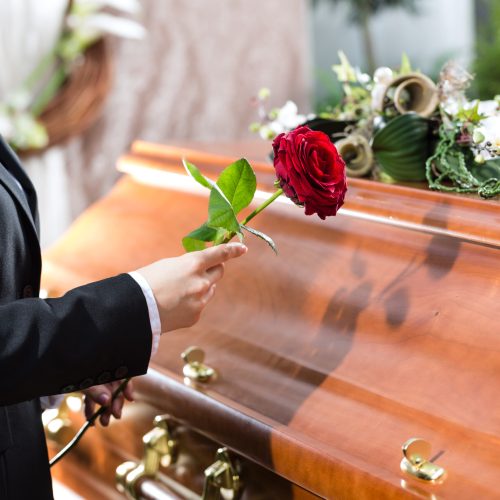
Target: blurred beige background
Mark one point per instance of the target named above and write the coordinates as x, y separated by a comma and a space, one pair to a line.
193, 77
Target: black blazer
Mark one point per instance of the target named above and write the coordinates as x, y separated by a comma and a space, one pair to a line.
94, 334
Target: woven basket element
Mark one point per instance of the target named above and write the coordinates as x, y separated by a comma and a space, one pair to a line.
81, 98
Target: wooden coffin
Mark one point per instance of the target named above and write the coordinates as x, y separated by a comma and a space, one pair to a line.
368, 329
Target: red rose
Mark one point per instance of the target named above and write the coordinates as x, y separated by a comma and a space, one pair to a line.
310, 170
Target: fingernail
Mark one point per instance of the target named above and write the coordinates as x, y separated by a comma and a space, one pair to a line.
103, 399
237, 245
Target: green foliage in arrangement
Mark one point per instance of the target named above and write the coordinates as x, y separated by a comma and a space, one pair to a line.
402, 147
453, 163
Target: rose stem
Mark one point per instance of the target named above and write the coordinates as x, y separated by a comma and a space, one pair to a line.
88, 424
257, 211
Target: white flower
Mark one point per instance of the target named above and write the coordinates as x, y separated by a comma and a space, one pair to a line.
383, 75
378, 93
488, 108
280, 120
452, 106
267, 133
288, 116
6, 127
277, 128
490, 130
95, 25
363, 78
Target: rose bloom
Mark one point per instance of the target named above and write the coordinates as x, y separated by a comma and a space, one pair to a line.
310, 171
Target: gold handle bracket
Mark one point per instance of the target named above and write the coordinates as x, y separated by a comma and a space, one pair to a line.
195, 370
222, 479
58, 424
159, 446
416, 462
160, 449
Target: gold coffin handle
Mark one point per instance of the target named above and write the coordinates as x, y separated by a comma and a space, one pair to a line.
222, 475
143, 481
195, 370
416, 462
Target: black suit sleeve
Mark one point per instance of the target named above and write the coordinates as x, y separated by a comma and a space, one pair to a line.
94, 334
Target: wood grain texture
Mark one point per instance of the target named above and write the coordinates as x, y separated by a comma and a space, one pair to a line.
362, 334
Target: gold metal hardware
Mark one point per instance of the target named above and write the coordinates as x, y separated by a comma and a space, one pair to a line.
57, 422
416, 462
159, 446
159, 449
222, 480
194, 369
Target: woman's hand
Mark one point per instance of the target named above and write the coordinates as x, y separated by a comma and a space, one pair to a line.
183, 285
101, 395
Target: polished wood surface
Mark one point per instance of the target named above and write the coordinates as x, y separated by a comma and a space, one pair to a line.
368, 329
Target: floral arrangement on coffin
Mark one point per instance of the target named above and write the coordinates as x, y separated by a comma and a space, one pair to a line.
399, 125
73, 27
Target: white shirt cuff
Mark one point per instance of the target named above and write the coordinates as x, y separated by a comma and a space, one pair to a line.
154, 315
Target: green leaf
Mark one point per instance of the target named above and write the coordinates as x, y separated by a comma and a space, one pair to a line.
196, 240
402, 147
471, 115
262, 236
238, 183
220, 212
197, 175
192, 245
401, 132
344, 71
405, 67
486, 171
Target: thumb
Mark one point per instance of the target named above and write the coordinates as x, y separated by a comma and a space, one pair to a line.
221, 253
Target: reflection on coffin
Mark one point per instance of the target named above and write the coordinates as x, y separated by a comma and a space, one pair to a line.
368, 330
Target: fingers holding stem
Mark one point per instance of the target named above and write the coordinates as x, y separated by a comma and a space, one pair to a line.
121, 389
114, 407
